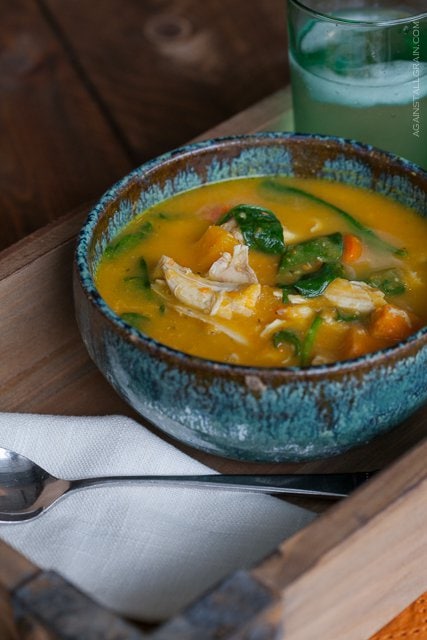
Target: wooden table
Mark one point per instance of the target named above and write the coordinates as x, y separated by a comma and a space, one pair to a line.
88, 91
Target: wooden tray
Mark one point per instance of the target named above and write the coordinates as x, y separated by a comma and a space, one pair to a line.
341, 578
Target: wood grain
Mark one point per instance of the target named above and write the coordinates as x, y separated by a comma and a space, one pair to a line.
165, 70
8, 629
55, 149
348, 573
14, 568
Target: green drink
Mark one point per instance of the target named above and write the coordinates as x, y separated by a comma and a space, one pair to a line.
361, 74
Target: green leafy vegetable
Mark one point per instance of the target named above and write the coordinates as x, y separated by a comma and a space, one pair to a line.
128, 241
314, 284
307, 256
389, 281
260, 228
287, 290
278, 189
142, 280
288, 337
133, 318
309, 340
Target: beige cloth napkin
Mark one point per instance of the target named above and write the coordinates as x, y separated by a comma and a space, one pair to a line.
144, 552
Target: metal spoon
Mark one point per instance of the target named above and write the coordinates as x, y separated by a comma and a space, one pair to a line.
27, 490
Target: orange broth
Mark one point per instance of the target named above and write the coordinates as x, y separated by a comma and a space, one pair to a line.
176, 228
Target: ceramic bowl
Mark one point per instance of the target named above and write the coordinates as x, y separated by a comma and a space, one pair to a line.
247, 412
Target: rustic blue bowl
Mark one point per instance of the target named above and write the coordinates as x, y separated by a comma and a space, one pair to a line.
251, 413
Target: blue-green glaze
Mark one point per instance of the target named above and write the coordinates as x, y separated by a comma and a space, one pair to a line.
251, 413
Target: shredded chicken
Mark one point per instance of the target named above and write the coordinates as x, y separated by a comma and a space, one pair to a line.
233, 268
272, 327
352, 295
212, 297
232, 227
295, 299
296, 312
162, 290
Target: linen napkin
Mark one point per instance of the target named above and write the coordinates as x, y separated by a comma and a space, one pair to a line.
144, 552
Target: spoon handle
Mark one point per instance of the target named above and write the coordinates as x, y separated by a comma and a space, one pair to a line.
326, 485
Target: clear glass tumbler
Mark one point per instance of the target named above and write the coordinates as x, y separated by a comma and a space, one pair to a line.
359, 70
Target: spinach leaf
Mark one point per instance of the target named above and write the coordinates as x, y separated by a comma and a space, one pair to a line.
128, 241
309, 340
142, 279
306, 256
133, 318
277, 189
260, 228
287, 290
389, 281
314, 284
289, 337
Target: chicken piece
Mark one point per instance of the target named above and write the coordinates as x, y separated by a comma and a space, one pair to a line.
160, 287
295, 299
297, 312
214, 298
351, 295
233, 228
241, 301
233, 268
272, 327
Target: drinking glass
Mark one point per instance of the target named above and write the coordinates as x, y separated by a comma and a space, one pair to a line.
359, 71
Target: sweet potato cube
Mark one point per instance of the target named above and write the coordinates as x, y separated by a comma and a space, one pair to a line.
391, 323
213, 243
358, 342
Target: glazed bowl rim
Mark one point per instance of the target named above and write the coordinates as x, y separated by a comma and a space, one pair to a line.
144, 342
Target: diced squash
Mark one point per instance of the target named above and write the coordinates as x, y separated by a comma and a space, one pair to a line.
358, 342
390, 323
213, 243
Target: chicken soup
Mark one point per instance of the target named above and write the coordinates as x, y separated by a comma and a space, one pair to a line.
271, 272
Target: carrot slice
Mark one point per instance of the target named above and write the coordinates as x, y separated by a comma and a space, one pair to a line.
352, 248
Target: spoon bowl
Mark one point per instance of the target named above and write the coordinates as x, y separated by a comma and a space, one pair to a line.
27, 490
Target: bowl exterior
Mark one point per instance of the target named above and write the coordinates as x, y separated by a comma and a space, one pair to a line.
251, 413
261, 416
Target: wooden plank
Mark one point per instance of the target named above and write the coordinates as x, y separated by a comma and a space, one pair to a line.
223, 611
270, 114
168, 70
36, 605
40, 242
57, 150
67, 613
8, 629
348, 573
14, 568
273, 113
